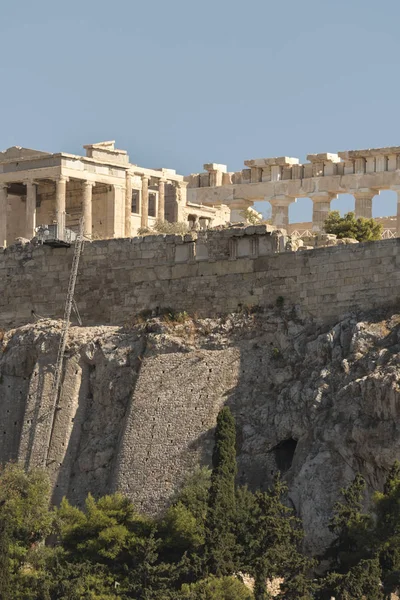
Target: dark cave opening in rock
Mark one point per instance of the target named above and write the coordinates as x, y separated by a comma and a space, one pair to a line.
284, 453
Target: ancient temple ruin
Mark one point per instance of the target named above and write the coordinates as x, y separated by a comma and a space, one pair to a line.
281, 181
115, 197
118, 198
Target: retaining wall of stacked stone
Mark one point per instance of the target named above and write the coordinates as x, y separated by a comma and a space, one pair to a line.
217, 273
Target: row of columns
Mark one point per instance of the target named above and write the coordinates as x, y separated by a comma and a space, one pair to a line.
30, 211
87, 195
160, 214
60, 208
322, 206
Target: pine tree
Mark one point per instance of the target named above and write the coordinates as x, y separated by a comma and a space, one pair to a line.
220, 539
361, 581
275, 549
351, 526
361, 229
4, 561
387, 529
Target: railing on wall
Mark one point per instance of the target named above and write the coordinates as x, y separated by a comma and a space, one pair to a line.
387, 234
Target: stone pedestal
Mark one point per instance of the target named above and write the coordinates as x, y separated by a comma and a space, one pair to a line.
3, 214
30, 214
321, 209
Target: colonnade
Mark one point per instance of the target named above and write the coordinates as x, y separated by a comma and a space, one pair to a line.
322, 206
28, 227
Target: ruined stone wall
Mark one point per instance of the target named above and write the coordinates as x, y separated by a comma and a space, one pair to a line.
218, 273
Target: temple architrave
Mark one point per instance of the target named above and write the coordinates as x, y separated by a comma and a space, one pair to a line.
115, 197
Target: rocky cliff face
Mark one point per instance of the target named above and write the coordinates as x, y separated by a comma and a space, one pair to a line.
138, 405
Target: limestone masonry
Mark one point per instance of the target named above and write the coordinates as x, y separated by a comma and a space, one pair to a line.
117, 198
274, 327
219, 272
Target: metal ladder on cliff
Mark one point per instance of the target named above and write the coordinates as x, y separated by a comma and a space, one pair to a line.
69, 302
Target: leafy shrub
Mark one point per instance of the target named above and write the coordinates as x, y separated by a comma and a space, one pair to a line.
212, 588
276, 354
165, 227
361, 229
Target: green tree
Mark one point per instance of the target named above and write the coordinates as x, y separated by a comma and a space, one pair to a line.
4, 560
214, 588
220, 544
387, 529
361, 229
275, 546
25, 522
351, 526
361, 581
182, 529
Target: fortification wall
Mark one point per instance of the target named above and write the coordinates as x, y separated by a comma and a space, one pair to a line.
215, 274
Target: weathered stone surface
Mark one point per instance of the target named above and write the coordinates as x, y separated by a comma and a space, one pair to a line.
138, 406
215, 274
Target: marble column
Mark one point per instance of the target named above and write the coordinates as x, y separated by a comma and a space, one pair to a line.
87, 208
363, 202
161, 200
280, 210
321, 209
238, 208
128, 205
145, 201
61, 195
30, 210
3, 214
396, 188
181, 200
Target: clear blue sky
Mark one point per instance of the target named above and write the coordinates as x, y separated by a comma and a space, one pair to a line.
180, 83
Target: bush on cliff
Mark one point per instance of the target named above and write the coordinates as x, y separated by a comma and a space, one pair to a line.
214, 588
361, 229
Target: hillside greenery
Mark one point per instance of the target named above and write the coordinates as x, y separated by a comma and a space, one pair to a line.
214, 537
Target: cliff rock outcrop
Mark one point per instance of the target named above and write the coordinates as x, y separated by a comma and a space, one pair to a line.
138, 404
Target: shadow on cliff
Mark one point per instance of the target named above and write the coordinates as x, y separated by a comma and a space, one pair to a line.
98, 425
34, 418
279, 421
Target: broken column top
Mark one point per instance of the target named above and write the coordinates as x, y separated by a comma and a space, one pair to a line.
285, 161
215, 167
323, 157
349, 154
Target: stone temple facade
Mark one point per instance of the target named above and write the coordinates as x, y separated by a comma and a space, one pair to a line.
117, 198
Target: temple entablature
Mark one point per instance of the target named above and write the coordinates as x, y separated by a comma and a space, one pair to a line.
282, 180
